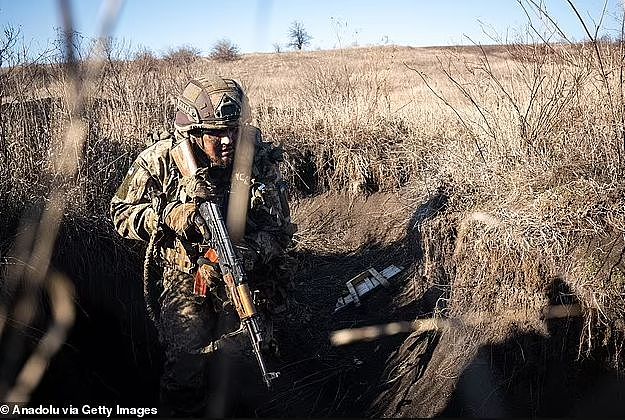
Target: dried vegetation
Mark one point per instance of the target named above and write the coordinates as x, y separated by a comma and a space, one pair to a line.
524, 142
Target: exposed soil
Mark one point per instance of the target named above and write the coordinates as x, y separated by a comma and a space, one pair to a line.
112, 357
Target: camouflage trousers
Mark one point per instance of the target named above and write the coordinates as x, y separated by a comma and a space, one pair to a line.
194, 379
188, 323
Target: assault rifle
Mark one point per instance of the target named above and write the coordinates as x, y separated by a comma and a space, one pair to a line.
215, 233
235, 280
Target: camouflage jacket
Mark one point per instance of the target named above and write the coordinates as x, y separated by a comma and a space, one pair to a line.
268, 231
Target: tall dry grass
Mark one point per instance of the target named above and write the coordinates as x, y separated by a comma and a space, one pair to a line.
525, 139
535, 188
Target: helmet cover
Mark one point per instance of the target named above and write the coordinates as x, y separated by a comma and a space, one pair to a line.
211, 102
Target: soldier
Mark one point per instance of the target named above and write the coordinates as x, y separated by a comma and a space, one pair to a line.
156, 203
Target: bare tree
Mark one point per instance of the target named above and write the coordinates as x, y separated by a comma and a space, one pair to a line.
183, 55
7, 44
225, 50
298, 35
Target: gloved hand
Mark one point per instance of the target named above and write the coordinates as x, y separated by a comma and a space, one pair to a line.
207, 279
197, 187
180, 218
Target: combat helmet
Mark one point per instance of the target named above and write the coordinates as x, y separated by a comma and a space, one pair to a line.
211, 102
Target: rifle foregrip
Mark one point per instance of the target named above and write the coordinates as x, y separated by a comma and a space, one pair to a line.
245, 297
236, 283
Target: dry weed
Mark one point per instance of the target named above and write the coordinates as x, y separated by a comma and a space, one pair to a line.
527, 139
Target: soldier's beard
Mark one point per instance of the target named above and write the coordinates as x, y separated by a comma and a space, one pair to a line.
226, 156
222, 163
219, 155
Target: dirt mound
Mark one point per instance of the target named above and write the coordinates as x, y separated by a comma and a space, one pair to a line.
493, 274
337, 223
500, 357
338, 237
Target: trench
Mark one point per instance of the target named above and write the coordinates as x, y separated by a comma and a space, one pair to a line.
111, 355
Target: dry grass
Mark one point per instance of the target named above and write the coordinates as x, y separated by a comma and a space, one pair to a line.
527, 142
363, 120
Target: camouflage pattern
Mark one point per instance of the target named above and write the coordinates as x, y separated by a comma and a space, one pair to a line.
211, 102
187, 324
186, 321
269, 228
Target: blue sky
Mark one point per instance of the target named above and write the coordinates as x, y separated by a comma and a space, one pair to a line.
255, 25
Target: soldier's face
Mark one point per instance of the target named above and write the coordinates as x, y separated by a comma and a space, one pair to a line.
219, 145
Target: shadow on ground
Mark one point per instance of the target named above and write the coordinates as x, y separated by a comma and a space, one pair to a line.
111, 356
530, 375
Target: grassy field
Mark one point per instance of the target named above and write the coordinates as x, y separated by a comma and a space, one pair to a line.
524, 144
